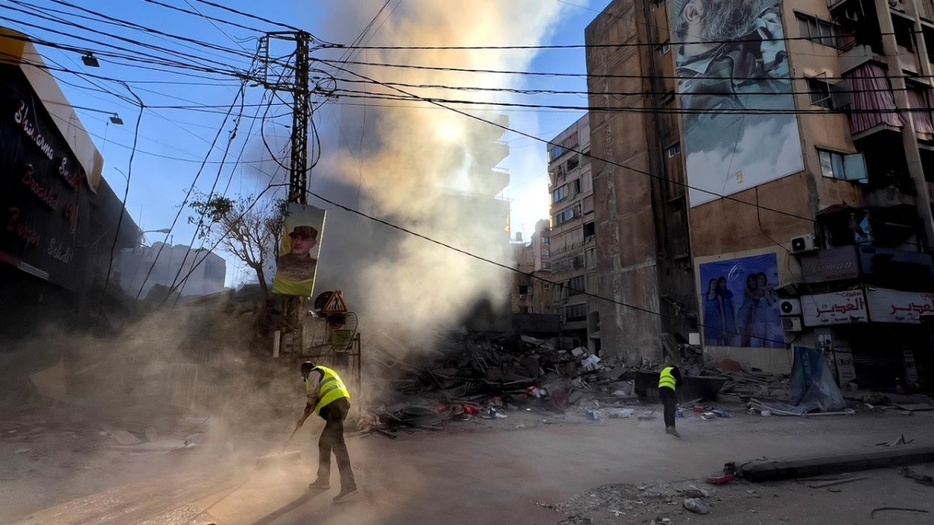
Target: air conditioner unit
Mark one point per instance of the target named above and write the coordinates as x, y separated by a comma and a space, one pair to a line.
790, 306
803, 243
792, 324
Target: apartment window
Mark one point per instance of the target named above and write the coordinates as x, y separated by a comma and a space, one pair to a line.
819, 31
587, 182
589, 230
588, 204
842, 167
555, 152
523, 309
591, 256
576, 285
663, 49
576, 312
673, 151
573, 163
820, 93
592, 284
565, 215
546, 240
559, 194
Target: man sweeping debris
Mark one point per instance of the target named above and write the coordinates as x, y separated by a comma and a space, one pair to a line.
329, 398
668, 381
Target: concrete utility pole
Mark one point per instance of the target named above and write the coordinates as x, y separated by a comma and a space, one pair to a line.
280, 74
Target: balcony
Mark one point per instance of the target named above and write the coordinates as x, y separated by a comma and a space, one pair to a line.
867, 263
491, 182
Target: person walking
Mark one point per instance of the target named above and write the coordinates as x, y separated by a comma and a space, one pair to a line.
668, 381
329, 398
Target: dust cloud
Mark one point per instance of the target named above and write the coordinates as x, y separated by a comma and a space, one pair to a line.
421, 167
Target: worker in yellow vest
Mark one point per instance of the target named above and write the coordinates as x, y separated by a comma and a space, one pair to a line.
329, 398
668, 381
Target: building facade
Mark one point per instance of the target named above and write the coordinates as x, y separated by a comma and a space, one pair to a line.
193, 271
765, 183
60, 217
571, 246
531, 293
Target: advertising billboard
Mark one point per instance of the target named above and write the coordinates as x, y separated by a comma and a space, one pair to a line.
740, 130
739, 304
298, 251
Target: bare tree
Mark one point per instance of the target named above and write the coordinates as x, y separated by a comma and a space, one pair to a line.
245, 227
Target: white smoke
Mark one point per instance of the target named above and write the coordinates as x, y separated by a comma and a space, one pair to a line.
422, 167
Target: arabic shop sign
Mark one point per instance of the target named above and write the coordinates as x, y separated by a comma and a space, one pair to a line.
834, 308
893, 306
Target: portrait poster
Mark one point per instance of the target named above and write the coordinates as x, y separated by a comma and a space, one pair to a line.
737, 107
297, 259
739, 304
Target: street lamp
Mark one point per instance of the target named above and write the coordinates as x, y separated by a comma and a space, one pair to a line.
90, 60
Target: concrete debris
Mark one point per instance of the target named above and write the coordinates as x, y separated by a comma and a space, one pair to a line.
923, 479
121, 436
516, 372
696, 506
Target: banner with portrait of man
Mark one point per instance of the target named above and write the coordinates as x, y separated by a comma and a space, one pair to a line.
738, 111
298, 251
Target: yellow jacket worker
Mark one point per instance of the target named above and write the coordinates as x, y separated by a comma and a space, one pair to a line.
668, 381
329, 398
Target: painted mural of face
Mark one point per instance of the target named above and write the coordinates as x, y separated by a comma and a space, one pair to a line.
720, 20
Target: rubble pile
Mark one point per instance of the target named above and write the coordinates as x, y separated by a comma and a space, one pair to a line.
464, 379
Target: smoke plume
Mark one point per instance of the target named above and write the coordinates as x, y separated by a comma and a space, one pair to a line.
419, 166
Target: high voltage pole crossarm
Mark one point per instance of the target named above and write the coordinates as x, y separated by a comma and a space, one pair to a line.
291, 74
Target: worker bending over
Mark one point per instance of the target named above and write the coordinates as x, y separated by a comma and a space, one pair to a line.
329, 398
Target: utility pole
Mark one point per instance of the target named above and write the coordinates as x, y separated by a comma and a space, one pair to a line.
290, 74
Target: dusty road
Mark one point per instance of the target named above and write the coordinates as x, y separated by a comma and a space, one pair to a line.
508, 475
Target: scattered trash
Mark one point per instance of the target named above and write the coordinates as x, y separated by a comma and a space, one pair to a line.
721, 480
621, 413
22, 451
766, 413
594, 414
923, 479
721, 412
696, 506
900, 441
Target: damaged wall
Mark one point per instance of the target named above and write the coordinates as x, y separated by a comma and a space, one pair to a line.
625, 223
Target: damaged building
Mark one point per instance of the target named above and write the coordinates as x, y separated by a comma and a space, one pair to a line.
766, 183
60, 217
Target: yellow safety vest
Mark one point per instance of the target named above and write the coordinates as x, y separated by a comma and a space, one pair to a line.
665, 379
331, 388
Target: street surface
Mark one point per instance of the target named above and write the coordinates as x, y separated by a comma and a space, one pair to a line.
514, 473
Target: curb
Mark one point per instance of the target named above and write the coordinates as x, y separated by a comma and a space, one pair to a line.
802, 468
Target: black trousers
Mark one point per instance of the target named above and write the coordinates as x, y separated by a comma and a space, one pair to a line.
670, 401
332, 439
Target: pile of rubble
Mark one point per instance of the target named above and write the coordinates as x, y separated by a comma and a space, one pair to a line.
481, 378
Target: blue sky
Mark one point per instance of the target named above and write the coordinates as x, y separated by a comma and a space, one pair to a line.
173, 143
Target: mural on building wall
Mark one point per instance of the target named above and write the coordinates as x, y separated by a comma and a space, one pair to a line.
739, 303
298, 251
740, 130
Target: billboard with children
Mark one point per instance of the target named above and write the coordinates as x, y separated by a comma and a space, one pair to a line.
739, 303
